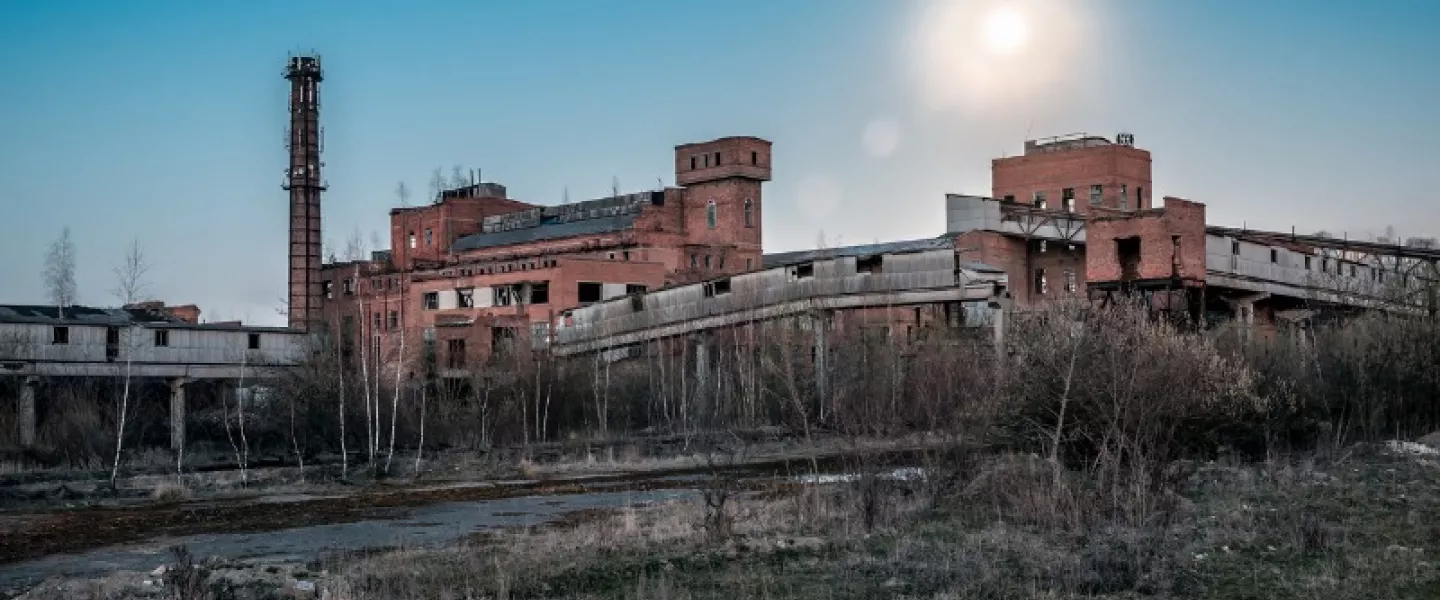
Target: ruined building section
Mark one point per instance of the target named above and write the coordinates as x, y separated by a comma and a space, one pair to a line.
1076, 173
1156, 254
304, 182
478, 274
1033, 225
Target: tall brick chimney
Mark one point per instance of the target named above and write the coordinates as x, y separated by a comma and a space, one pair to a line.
303, 181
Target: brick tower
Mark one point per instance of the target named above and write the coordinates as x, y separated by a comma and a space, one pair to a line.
303, 181
722, 180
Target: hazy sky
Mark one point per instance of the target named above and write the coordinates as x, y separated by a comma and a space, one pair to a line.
163, 120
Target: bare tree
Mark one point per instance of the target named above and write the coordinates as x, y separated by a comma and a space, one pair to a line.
354, 247
437, 184
402, 193
130, 284
458, 178
60, 272
130, 336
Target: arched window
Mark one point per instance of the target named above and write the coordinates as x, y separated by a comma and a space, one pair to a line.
710, 214
749, 213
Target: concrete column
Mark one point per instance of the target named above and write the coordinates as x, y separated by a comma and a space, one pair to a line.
702, 367
997, 327
177, 413
819, 324
26, 420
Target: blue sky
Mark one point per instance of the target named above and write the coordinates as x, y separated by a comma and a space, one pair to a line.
163, 120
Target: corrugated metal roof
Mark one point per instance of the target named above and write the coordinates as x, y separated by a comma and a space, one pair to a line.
782, 259
545, 232
21, 313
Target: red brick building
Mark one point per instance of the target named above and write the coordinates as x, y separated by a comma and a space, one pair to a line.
477, 273
1033, 225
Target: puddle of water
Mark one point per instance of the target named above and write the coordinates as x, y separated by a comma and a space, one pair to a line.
436, 524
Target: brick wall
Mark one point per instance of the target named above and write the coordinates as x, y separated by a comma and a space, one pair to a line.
1010, 253
1116, 168
1171, 242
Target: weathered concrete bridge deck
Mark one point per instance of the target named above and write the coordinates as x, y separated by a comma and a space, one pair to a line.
799, 283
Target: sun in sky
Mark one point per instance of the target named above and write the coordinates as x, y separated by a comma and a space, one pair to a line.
985, 55
1005, 30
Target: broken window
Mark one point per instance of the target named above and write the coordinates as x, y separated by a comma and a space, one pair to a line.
711, 215
1125, 198
692, 163
1009, 197
431, 300
1307, 263
717, 288
394, 320
707, 160
717, 159
1041, 285
1039, 246
328, 288
1069, 281
1039, 201
349, 286
749, 264
465, 297
162, 337
588, 291
254, 341
412, 240
1140, 197
868, 264
1067, 195
625, 255
1070, 205
1235, 248
1096, 191
707, 261
803, 271
375, 321
749, 213
60, 335
1274, 256
694, 261
754, 158
429, 239
635, 288
455, 353
1127, 253
540, 293
506, 295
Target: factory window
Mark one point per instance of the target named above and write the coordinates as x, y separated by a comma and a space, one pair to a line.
635, 288
707, 261
162, 338
694, 262
749, 213
1095, 192
412, 239
1041, 286
349, 286
456, 353
1070, 205
1140, 197
1324, 265
429, 239
692, 163
1235, 247
1352, 270
612, 256
505, 295
60, 335
625, 255
1039, 246
1274, 256
1307, 263
328, 288
376, 322
707, 160
802, 271
869, 264
431, 300
717, 159
1009, 197
394, 321
1069, 281
754, 158
466, 297
717, 288
720, 262
1039, 201
711, 215
1067, 196
254, 341
588, 291
749, 264
540, 293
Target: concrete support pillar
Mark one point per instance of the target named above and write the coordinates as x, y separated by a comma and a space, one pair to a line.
702, 367
820, 324
997, 327
26, 416
177, 413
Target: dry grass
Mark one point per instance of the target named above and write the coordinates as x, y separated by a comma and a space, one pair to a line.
169, 491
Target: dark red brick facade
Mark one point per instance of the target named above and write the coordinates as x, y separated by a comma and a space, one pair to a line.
709, 225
